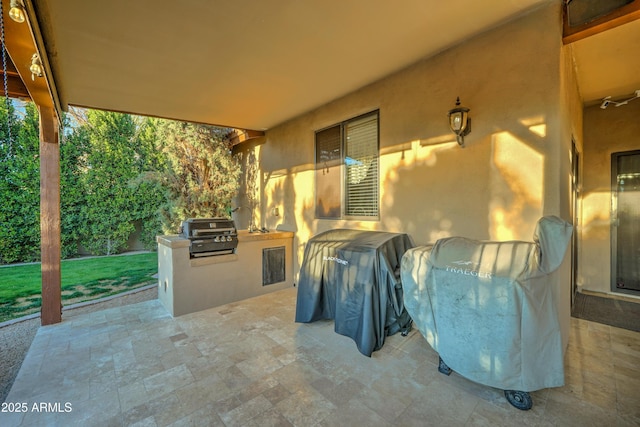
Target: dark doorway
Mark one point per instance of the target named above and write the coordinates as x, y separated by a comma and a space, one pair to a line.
575, 215
625, 225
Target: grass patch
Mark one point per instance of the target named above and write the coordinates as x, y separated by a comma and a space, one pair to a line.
82, 280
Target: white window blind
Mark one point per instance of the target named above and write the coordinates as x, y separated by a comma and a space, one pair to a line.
361, 167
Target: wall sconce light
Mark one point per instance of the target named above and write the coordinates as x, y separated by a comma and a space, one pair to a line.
459, 122
16, 11
36, 67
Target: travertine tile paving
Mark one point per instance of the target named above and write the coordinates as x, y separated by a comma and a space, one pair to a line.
249, 364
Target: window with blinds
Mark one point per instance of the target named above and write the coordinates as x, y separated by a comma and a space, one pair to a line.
347, 182
328, 172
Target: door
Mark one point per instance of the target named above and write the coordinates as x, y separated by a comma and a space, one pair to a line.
625, 226
575, 215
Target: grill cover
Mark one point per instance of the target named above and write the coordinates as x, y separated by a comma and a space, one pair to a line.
488, 308
353, 276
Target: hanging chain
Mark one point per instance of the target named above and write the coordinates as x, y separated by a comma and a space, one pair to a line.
4, 75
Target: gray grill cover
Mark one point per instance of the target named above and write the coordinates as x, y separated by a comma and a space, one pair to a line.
353, 276
488, 308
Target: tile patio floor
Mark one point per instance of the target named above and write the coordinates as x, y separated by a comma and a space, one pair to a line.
249, 364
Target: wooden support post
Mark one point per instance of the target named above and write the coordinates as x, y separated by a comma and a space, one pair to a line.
51, 311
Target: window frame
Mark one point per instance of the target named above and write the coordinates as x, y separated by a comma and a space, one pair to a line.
322, 169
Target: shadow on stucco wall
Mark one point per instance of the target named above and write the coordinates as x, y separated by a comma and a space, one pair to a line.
490, 190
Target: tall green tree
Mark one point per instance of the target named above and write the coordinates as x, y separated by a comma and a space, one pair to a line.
150, 195
118, 174
19, 184
115, 199
201, 175
74, 147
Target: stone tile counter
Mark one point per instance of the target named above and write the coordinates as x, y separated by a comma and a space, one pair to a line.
263, 263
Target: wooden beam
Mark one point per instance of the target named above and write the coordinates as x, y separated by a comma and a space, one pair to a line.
21, 44
22, 41
51, 311
15, 85
15, 88
627, 13
238, 136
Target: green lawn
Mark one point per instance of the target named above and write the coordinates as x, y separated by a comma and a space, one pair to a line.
82, 280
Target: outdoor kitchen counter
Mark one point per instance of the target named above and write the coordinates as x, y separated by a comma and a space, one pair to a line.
262, 264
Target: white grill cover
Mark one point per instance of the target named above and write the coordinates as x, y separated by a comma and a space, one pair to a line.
488, 308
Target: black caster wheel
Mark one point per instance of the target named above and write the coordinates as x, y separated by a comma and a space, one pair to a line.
520, 399
443, 368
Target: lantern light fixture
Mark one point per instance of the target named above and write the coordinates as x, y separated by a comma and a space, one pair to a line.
459, 122
36, 67
16, 11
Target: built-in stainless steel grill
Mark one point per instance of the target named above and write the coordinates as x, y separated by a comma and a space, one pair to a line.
210, 236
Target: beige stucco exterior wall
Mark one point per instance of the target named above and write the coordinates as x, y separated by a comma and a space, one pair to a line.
495, 188
519, 85
605, 132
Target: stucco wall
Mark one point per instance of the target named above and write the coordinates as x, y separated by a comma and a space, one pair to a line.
496, 188
615, 129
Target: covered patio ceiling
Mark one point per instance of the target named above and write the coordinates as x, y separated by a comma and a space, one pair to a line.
246, 64
254, 64
607, 51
